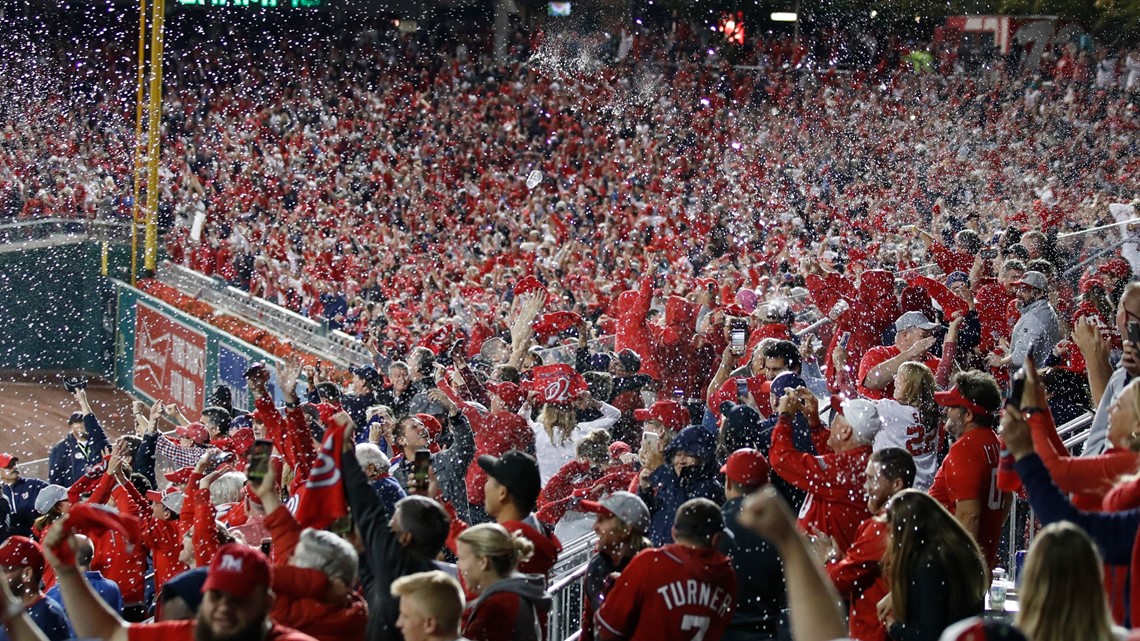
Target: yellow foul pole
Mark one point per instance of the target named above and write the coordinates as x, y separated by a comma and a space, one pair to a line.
153, 141
140, 110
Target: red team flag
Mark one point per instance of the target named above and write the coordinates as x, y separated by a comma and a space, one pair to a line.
321, 500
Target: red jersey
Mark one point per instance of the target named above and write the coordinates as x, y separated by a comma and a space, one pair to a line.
882, 354
858, 576
970, 473
184, 631
836, 502
670, 593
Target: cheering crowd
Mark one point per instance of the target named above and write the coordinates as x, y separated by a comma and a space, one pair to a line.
837, 296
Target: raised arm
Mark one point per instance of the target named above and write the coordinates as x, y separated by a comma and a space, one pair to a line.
91, 617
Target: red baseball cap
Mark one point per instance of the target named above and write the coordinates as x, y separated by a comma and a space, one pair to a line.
179, 476
672, 415
171, 498
7, 460
21, 552
510, 394
196, 432
747, 466
953, 398
237, 570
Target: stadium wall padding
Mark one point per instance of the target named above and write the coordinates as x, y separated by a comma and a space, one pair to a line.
55, 304
164, 354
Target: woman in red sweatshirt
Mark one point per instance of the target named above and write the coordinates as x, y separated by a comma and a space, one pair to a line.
502, 604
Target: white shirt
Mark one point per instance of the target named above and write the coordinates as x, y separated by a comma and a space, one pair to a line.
903, 428
551, 457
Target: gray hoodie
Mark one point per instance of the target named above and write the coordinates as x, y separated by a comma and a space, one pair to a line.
530, 589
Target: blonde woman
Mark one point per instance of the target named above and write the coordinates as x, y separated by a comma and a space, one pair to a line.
504, 604
559, 428
1062, 594
910, 420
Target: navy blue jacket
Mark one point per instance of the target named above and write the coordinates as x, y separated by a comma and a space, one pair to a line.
21, 496
667, 491
1113, 532
69, 460
390, 492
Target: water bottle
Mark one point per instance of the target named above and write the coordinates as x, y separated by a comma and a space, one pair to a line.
998, 590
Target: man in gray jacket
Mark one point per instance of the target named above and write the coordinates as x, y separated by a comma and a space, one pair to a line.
1037, 332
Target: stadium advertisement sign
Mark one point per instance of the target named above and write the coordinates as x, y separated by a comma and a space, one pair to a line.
163, 354
170, 360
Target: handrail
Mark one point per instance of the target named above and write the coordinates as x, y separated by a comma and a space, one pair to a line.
337, 347
1084, 420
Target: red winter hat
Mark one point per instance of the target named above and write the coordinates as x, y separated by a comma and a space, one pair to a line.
242, 439
238, 570
510, 394
672, 415
1089, 283
617, 448
432, 425
556, 384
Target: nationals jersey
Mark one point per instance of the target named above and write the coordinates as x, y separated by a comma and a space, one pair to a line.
671, 593
903, 428
970, 472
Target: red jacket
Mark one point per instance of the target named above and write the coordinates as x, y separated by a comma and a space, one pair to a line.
872, 308
858, 576
162, 538
546, 547
495, 434
836, 502
631, 307
554, 500
302, 594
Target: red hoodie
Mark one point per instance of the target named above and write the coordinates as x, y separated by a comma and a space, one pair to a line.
546, 545
631, 307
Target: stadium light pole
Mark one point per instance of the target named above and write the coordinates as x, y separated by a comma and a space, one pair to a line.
153, 150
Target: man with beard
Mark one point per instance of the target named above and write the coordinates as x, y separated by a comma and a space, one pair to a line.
1037, 332
22, 564
236, 600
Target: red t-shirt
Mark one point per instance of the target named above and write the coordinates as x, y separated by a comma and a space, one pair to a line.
872, 358
970, 472
671, 593
184, 631
858, 577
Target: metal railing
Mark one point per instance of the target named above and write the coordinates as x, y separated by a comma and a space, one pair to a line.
335, 346
24, 234
567, 593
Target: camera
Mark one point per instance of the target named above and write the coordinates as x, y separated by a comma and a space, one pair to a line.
72, 383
